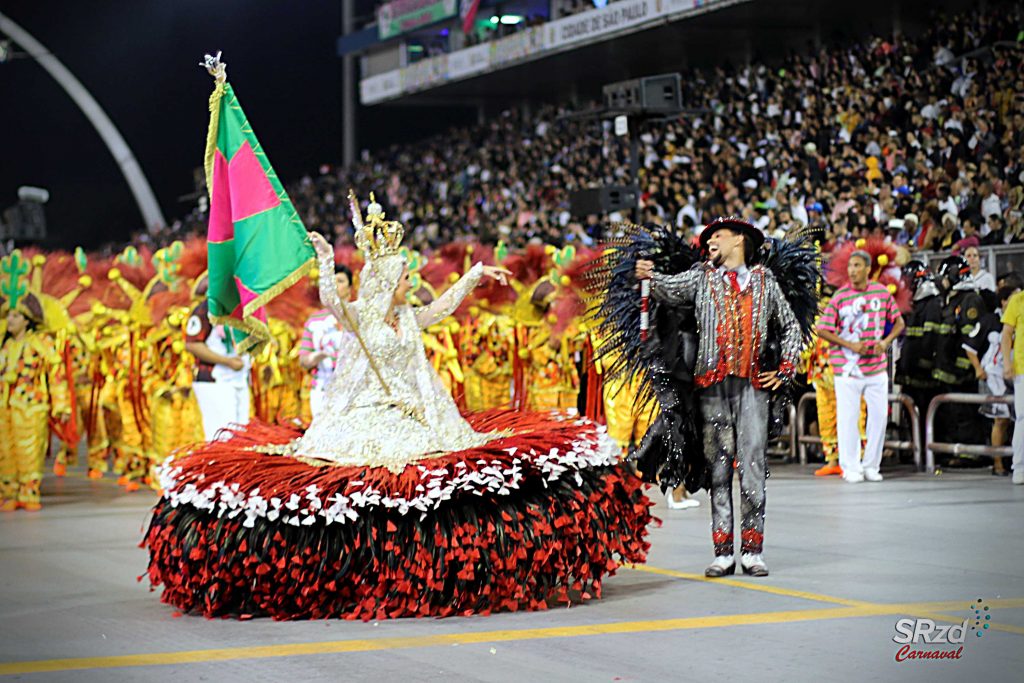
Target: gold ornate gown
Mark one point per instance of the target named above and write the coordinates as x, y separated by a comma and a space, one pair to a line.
393, 504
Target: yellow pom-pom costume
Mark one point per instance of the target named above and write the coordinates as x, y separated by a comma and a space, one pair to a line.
33, 388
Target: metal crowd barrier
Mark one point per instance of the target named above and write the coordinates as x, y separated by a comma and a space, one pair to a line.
934, 447
996, 259
914, 445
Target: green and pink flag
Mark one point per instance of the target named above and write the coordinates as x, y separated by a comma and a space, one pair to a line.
256, 243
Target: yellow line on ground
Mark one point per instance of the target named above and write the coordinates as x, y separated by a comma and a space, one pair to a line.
366, 645
749, 585
923, 609
929, 610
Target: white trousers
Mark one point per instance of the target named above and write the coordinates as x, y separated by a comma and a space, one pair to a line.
849, 390
1018, 424
316, 401
221, 405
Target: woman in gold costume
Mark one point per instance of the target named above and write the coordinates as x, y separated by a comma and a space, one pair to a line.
392, 503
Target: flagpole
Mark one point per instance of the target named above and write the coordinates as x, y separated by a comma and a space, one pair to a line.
355, 330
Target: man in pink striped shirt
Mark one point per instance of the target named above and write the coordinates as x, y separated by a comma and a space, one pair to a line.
860, 322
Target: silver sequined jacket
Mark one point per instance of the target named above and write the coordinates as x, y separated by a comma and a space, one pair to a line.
706, 289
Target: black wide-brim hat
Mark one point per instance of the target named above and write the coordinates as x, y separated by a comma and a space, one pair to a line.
751, 231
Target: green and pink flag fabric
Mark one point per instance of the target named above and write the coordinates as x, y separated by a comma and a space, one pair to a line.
257, 245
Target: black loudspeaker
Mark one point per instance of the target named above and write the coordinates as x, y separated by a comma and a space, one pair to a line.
622, 96
661, 94
603, 200
25, 221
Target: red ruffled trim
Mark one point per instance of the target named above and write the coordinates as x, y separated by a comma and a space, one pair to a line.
478, 553
232, 461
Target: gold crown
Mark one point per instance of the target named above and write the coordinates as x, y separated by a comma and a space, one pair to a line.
376, 237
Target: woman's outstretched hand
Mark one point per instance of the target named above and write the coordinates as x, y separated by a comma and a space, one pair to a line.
321, 245
498, 273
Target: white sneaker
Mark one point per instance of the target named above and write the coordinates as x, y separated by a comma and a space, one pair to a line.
872, 475
1018, 476
853, 477
684, 504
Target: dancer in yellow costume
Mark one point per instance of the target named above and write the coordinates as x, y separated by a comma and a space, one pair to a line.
443, 354
90, 373
276, 391
111, 334
89, 381
54, 284
174, 412
487, 343
547, 345
552, 380
33, 390
136, 370
627, 421
821, 377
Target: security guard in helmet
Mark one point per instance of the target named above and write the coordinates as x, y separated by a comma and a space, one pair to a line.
916, 361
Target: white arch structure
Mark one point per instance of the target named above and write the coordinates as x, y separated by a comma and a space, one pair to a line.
120, 150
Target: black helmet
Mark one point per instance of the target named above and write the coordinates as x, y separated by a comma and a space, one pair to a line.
914, 273
954, 268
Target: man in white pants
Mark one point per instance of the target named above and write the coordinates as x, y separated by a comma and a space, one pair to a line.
855, 322
222, 376
1013, 371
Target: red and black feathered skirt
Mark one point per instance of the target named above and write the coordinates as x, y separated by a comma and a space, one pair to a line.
541, 515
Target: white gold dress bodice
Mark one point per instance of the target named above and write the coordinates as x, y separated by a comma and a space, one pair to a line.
363, 423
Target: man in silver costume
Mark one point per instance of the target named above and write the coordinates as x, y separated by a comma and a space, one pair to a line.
738, 306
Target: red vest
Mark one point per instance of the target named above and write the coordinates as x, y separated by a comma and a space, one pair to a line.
739, 321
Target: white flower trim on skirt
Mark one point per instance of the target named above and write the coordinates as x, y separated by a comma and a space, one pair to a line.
227, 499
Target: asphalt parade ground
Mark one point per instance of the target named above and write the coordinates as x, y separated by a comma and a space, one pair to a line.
852, 568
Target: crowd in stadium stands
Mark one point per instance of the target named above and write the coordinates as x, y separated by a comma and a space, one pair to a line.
920, 139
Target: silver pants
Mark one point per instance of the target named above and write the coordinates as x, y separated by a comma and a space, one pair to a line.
736, 429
